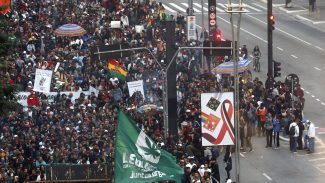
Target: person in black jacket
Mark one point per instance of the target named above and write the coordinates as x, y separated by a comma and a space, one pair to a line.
214, 170
301, 131
228, 162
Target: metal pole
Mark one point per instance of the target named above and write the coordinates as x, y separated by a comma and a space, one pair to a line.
269, 39
202, 29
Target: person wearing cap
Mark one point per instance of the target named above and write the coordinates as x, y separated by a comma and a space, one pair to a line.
311, 136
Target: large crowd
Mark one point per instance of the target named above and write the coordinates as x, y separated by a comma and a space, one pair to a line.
82, 130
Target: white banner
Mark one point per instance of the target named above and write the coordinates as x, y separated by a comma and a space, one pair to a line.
139, 28
191, 33
115, 24
135, 86
22, 96
92, 89
217, 117
42, 80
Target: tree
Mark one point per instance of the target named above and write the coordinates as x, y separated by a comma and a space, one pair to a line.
8, 101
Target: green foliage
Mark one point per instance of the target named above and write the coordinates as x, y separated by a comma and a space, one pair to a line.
8, 100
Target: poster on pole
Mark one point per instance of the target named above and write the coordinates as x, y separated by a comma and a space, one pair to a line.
217, 117
212, 15
135, 86
42, 80
191, 33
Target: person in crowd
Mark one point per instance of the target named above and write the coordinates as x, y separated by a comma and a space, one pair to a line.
228, 161
276, 129
311, 136
256, 53
261, 113
215, 174
294, 133
269, 130
301, 132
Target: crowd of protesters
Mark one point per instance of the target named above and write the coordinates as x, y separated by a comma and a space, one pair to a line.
82, 130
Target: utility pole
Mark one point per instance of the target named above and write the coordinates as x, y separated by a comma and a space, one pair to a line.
236, 10
270, 28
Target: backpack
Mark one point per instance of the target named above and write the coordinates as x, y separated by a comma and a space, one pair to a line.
292, 130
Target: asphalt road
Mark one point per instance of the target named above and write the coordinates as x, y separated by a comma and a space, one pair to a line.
301, 50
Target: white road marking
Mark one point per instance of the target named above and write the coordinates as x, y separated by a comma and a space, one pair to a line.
281, 30
319, 153
313, 96
316, 159
242, 155
222, 5
279, 48
307, 92
294, 56
292, 11
319, 48
169, 9
268, 177
244, 30
323, 103
177, 7
321, 133
320, 165
195, 10
260, 6
317, 99
251, 7
198, 5
277, 5
317, 68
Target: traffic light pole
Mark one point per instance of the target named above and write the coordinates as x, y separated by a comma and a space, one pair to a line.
269, 39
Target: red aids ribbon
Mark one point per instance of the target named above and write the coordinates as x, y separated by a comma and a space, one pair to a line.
226, 115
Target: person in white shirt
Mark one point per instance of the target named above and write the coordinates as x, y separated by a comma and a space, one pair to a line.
294, 138
204, 168
311, 136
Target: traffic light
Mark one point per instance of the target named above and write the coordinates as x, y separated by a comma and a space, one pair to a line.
271, 22
217, 36
276, 69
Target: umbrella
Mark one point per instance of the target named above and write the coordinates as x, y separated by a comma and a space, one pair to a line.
148, 108
228, 67
70, 30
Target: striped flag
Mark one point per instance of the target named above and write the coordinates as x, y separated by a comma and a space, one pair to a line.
116, 69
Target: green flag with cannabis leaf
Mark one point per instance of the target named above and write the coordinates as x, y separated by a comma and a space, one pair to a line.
138, 159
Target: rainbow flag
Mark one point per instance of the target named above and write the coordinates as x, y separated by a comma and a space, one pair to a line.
116, 69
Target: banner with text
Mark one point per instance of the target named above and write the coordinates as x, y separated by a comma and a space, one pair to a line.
22, 96
42, 80
135, 86
217, 117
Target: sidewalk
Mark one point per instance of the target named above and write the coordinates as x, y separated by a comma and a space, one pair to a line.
300, 10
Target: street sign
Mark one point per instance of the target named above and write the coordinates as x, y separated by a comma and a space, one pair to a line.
226, 48
212, 15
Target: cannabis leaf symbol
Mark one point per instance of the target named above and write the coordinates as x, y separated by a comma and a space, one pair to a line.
151, 149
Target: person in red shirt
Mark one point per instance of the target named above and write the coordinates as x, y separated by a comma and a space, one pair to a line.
261, 113
299, 95
32, 100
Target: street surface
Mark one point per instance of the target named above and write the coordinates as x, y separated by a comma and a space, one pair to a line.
299, 44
